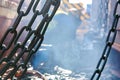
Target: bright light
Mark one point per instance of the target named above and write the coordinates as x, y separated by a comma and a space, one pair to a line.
85, 2
74, 1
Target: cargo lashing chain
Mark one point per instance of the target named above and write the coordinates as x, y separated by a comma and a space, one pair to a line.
39, 36
12, 30
109, 42
36, 36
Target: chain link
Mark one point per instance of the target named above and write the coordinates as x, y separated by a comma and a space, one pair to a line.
36, 38
12, 30
109, 42
32, 40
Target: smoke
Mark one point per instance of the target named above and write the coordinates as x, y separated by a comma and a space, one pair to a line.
76, 45
67, 50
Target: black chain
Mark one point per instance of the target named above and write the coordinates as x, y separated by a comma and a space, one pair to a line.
32, 40
109, 42
12, 30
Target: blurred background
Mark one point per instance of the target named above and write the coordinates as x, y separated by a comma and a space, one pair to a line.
74, 40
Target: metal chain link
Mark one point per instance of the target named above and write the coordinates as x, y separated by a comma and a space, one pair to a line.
109, 42
12, 30
37, 36
31, 42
